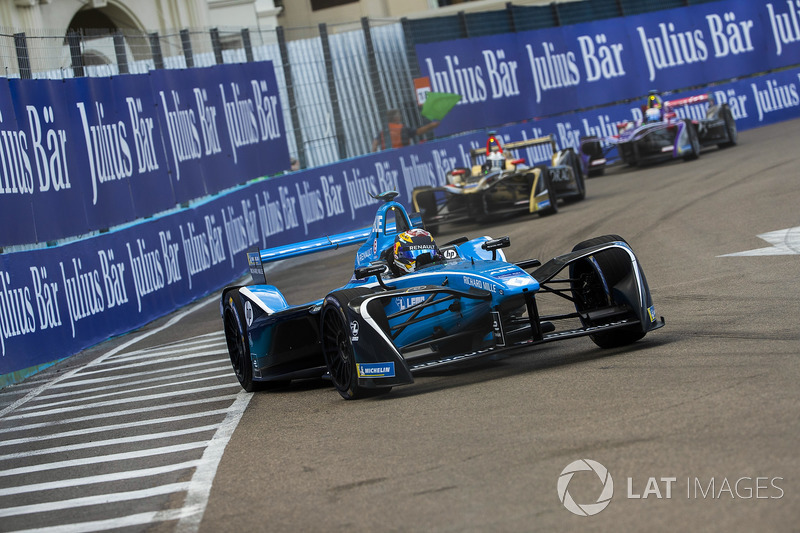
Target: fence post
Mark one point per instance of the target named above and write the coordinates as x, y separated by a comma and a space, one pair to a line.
248, 45
216, 44
462, 19
287, 75
23, 60
511, 22
620, 9
375, 81
556, 14
119, 50
155, 50
74, 40
186, 44
411, 51
332, 92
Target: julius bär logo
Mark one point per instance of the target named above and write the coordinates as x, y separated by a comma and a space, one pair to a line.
585, 509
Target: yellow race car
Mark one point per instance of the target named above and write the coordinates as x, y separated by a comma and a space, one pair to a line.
500, 183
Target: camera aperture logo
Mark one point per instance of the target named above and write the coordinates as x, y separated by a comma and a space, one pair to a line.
585, 509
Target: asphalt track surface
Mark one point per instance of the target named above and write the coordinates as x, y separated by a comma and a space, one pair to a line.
697, 424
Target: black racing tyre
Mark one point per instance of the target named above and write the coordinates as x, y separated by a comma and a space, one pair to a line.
730, 127
426, 204
575, 164
337, 345
593, 150
694, 140
589, 293
238, 346
596, 172
547, 183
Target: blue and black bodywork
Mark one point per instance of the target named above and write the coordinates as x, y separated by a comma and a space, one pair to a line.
467, 301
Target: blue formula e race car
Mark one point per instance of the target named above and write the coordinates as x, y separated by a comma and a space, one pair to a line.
411, 306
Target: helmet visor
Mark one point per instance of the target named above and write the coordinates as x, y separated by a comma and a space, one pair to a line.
406, 255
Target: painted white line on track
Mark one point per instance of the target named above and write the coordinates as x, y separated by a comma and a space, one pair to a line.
116, 414
104, 458
32, 411
103, 478
113, 427
108, 442
76, 382
171, 322
94, 500
222, 369
94, 397
197, 489
113, 367
197, 338
118, 522
200, 485
154, 354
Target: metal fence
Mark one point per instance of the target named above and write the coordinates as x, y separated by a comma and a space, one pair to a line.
335, 85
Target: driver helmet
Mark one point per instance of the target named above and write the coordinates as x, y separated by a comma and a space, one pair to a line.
411, 244
496, 161
654, 101
653, 115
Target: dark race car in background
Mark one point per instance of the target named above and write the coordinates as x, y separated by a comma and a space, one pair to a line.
661, 135
484, 192
464, 302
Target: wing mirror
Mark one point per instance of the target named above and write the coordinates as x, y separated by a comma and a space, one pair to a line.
376, 269
493, 245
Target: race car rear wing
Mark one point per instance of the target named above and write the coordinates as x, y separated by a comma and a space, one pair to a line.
700, 98
257, 258
328, 242
518, 144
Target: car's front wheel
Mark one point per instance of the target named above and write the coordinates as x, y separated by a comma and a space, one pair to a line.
236, 339
694, 142
546, 184
592, 281
337, 345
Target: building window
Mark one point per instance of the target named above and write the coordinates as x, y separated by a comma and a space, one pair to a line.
316, 5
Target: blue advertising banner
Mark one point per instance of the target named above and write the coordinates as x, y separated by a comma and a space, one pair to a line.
150, 182
59, 300
102, 159
512, 77
16, 173
57, 189
92, 153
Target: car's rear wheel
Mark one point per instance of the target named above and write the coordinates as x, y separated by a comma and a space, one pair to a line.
590, 279
730, 127
545, 179
337, 345
574, 163
426, 204
592, 150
